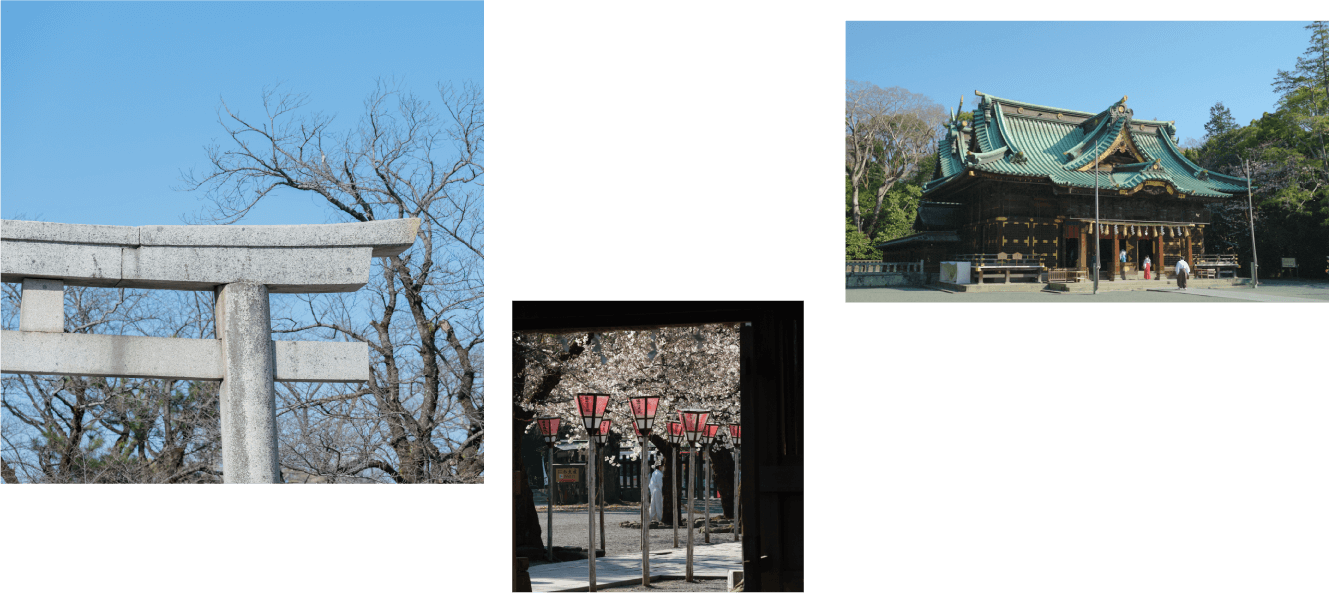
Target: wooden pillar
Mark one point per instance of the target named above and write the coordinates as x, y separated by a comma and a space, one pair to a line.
1159, 257
1189, 256
521, 577
1084, 246
1066, 234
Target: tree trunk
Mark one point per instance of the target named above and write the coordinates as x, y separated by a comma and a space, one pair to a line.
723, 461
528, 521
667, 468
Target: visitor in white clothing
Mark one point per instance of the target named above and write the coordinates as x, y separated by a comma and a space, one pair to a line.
1183, 270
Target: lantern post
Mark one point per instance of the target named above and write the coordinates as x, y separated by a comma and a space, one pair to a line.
644, 408
601, 439
694, 421
736, 437
641, 535
708, 437
591, 406
675, 439
549, 431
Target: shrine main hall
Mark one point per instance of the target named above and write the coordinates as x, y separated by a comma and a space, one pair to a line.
1020, 179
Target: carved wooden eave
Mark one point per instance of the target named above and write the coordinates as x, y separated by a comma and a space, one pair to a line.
1148, 186
1164, 189
1122, 145
989, 175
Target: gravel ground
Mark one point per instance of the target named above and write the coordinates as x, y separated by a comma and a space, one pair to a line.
1292, 288
570, 530
924, 295
1304, 289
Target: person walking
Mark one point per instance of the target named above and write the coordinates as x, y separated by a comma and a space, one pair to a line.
1147, 262
657, 495
1183, 269
1122, 259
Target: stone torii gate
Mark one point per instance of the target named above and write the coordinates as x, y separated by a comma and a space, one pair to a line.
241, 265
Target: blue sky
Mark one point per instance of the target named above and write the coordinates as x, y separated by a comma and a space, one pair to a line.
1170, 70
105, 104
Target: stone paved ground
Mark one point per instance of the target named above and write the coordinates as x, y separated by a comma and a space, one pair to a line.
679, 585
715, 561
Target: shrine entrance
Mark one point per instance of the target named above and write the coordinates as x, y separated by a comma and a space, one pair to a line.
1144, 247
1108, 256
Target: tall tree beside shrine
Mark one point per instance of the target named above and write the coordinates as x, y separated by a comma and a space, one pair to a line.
1220, 121
889, 133
1221, 137
1305, 100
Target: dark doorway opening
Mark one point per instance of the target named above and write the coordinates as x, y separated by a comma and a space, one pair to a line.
1106, 257
1071, 254
1145, 248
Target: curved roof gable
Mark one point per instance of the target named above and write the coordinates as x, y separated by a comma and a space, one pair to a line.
1061, 145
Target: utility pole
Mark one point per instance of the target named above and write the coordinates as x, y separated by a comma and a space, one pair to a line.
1250, 215
1098, 226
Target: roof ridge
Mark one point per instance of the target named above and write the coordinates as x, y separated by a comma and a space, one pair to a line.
1032, 105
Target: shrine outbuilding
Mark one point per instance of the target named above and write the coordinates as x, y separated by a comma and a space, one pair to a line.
1019, 181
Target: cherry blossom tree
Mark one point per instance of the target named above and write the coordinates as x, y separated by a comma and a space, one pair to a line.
686, 367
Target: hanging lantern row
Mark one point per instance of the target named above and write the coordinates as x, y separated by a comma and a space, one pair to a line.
592, 408
693, 425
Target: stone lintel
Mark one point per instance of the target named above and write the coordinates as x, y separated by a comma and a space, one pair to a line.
285, 258
386, 237
282, 269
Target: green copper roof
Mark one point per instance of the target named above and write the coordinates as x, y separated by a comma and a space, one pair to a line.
1028, 140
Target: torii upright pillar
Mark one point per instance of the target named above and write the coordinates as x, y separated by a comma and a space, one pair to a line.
248, 396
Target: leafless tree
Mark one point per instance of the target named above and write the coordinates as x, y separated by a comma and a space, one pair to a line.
420, 417
890, 130
107, 430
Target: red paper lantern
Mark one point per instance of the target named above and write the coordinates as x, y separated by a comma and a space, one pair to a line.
602, 437
675, 433
592, 408
694, 421
549, 428
736, 434
643, 412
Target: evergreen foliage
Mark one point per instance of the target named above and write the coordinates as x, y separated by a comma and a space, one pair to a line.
1285, 155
